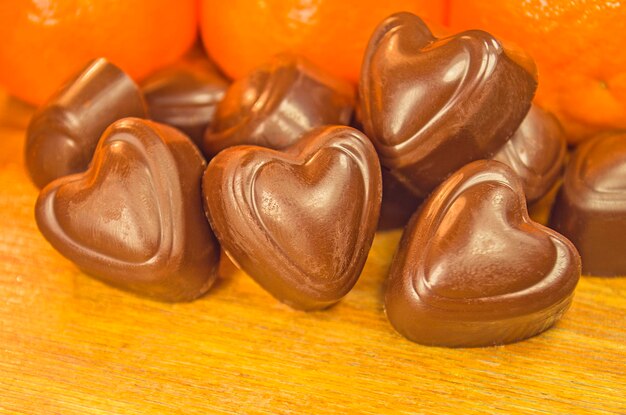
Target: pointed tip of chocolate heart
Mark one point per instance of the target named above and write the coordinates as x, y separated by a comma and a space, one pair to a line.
134, 219
473, 269
299, 221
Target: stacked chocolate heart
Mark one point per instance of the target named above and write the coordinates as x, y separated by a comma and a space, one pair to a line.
293, 195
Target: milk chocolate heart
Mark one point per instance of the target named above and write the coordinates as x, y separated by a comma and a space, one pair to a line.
300, 222
63, 134
472, 269
277, 103
186, 95
432, 105
536, 152
135, 219
590, 208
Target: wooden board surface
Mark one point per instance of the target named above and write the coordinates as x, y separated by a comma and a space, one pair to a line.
71, 345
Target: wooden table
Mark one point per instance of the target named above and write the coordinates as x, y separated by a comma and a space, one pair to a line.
71, 345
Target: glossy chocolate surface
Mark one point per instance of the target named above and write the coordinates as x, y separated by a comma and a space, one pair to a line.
536, 152
63, 134
472, 269
590, 208
300, 222
433, 105
277, 103
185, 96
135, 219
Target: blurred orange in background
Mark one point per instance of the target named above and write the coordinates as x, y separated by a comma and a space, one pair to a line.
242, 34
578, 46
46, 41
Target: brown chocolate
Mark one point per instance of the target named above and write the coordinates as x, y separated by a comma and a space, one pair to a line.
590, 207
300, 222
185, 96
398, 204
473, 269
277, 103
63, 134
536, 152
135, 218
432, 105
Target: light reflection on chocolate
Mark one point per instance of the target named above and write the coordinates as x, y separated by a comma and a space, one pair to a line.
473, 269
134, 219
299, 221
590, 207
278, 103
63, 134
536, 152
186, 96
432, 105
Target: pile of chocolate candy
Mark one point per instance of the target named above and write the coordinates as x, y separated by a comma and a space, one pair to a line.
293, 195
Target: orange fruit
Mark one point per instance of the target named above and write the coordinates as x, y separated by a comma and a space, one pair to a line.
578, 47
46, 42
242, 34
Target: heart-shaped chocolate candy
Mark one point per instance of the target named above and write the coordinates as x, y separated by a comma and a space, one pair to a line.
590, 208
536, 152
135, 219
472, 269
186, 95
432, 105
277, 103
300, 222
63, 134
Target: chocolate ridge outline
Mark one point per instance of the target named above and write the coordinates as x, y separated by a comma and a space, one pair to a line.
274, 81
279, 73
466, 88
579, 185
406, 273
165, 235
144, 137
299, 155
74, 98
535, 178
453, 191
412, 155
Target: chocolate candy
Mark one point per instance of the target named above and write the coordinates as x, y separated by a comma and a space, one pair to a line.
63, 134
432, 105
185, 96
135, 218
536, 152
472, 269
590, 207
277, 103
300, 222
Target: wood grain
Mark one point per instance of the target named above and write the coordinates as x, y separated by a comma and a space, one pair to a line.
71, 345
